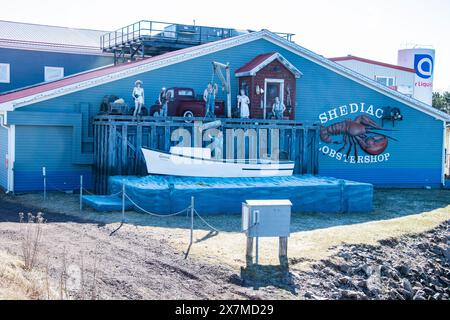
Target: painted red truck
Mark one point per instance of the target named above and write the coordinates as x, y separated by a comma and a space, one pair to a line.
184, 103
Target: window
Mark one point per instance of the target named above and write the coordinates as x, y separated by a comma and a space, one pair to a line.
387, 81
187, 93
4, 73
53, 73
171, 94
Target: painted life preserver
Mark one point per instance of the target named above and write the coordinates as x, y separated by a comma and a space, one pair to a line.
395, 114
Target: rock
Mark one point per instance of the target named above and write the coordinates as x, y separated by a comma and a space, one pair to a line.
444, 280
403, 270
344, 280
423, 246
437, 296
362, 284
438, 250
335, 295
405, 293
346, 256
364, 268
423, 277
384, 269
429, 291
417, 286
395, 295
355, 295
420, 295
394, 274
407, 285
328, 271
446, 254
344, 268
368, 270
311, 296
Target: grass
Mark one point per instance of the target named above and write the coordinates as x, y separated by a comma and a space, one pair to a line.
32, 237
16, 283
314, 236
25, 278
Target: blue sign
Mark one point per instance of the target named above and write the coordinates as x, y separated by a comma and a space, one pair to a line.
423, 64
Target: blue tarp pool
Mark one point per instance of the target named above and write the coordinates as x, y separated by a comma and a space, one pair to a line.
168, 194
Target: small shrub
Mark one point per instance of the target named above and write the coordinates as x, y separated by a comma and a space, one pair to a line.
32, 237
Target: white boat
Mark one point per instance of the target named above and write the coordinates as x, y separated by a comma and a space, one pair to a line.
197, 162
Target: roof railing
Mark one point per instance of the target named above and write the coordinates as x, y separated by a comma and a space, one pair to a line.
169, 32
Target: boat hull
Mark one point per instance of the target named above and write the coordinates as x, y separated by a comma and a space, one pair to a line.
179, 165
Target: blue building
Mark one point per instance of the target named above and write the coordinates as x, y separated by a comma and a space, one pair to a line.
49, 125
32, 54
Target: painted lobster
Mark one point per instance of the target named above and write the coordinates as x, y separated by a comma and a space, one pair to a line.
356, 132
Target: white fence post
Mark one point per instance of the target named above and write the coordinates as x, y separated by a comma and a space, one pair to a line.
81, 193
192, 220
45, 183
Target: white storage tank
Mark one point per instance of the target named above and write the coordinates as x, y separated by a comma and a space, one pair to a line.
422, 60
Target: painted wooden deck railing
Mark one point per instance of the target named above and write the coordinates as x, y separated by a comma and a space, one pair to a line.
118, 141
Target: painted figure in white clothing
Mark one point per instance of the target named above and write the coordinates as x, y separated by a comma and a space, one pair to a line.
243, 104
278, 108
138, 96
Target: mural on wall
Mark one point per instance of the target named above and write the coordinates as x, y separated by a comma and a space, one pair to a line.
360, 138
269, 79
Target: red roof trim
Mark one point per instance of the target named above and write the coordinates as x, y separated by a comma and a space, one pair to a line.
89, 75
249, 66
393, 66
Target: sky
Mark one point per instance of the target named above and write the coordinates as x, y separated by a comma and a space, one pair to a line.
369, 29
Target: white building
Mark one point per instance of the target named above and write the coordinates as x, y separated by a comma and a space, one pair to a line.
395, 77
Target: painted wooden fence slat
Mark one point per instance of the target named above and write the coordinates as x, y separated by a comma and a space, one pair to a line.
304, 155
124, 156
139, 159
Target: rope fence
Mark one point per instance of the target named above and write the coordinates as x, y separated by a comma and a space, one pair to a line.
156, 214
206, 222
189, 210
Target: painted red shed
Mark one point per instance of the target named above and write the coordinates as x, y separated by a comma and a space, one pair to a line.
266, 77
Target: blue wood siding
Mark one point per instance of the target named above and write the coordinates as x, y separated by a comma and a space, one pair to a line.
27, 66
3, 153
76, 121
416, 158
50, 147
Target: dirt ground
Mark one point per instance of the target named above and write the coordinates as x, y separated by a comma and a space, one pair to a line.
131, 264
145, 259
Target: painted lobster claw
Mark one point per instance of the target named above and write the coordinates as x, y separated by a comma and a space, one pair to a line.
367, 122
325, 135
362, 131
373, 145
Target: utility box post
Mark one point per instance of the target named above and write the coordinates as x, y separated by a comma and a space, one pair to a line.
282, 252
249, 252
266, 218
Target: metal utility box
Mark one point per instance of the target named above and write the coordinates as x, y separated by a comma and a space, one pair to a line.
266, 218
